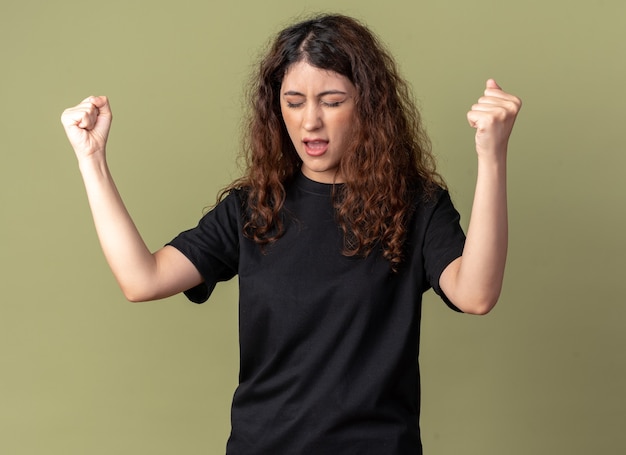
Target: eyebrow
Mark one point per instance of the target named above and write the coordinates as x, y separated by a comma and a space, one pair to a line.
327, 92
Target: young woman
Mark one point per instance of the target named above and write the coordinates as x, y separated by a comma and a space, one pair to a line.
337, 228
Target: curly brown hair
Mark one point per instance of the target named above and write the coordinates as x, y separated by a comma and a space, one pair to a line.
388, 164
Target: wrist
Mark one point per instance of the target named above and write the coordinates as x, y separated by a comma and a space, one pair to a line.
94, 162
495, 157
492, 167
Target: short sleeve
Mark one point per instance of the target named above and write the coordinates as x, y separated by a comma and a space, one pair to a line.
213, 246
443, 242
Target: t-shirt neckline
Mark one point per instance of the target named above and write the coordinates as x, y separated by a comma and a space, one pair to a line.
311, 186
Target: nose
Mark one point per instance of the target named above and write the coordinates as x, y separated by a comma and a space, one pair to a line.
312, 117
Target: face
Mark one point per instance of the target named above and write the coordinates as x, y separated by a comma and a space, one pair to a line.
318, 109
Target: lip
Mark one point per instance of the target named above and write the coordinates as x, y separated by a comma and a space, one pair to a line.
315, 146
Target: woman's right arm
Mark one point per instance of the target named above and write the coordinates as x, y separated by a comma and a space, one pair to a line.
141, 274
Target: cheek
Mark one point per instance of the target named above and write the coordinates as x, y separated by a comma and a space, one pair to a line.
288, 119
292, 129
345, 126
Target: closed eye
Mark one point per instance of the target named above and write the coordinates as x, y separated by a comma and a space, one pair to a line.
323, 103
332, 103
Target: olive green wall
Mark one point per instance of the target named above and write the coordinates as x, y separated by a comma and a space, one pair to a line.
84, 372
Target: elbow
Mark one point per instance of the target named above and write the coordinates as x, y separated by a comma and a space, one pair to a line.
471, 293
136, 294
480, 305
480, 309
135, 297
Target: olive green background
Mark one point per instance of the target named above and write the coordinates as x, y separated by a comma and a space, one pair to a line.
84, 372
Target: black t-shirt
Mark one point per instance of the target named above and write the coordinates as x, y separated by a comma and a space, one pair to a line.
329, 343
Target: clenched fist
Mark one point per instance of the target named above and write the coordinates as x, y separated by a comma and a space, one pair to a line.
87, 126
493, 117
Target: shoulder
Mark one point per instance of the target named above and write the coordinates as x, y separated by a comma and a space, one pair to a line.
426, 198
226, 213
231, 200
433, 214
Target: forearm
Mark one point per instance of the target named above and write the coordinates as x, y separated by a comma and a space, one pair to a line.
132, 263
481, 269
473, 282
141, 274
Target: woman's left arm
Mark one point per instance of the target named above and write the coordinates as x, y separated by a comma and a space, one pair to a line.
473, 282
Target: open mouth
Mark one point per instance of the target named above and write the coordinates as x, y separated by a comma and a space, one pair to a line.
315, 147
